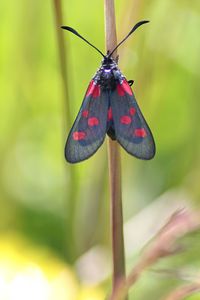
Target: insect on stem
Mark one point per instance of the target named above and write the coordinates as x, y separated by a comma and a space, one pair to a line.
109, 107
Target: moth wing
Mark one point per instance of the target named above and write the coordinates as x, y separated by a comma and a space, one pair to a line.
89, 129
131, 129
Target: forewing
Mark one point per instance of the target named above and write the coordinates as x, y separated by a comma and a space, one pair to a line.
131, 129
89, 129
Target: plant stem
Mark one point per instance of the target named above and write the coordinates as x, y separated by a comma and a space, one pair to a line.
184, 291
72, 184
63, 59
115, 167
116, 213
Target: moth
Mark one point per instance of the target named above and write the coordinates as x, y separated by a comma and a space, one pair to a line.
109, 106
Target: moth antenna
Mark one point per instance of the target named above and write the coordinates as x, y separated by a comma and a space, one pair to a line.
81, 37
132, 30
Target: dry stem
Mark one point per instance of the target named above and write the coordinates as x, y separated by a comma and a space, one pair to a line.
115, 167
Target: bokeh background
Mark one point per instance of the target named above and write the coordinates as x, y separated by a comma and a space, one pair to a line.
54, 218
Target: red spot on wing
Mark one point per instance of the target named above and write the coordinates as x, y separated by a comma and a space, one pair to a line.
132, 111
85, 113
120, 90
123, 88
140, 132
125, 120
93, 89
93, 121
96, 92
90, 88
110, 116
126, 87
79, 135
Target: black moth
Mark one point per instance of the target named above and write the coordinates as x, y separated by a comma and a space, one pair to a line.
109, 106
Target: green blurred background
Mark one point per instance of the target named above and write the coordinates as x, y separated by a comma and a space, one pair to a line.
54, 218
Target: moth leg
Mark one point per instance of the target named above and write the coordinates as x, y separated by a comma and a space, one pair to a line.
130, 82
